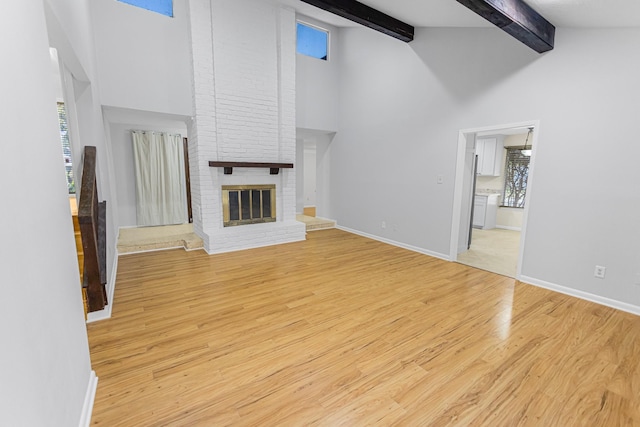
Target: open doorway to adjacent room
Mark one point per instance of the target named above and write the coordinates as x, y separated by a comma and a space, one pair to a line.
492, 185
312, 179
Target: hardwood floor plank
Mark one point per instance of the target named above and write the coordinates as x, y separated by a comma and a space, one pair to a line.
343, 330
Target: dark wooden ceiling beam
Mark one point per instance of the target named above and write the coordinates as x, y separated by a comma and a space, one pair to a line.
367, 16
518, 19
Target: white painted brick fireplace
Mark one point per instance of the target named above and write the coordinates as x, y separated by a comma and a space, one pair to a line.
244, 111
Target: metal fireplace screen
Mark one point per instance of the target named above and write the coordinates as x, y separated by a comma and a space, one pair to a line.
248, 204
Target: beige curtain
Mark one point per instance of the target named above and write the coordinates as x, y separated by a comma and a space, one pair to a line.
160, 178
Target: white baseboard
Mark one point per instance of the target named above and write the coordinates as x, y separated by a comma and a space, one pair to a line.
394, 243
105, 313
89, 398
126, 227
618, 305
507, 227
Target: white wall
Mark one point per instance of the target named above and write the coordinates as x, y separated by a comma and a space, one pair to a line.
395, 140
69, 29
120, 124
299, 169
310, 173
44, 363
56, 77
317, 100
323, 175
397, 133
71, 32
144, 58
317, 84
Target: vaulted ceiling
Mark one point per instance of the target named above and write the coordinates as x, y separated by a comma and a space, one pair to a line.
450, 13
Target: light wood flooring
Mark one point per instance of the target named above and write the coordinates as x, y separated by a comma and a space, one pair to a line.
340, 330
494, 250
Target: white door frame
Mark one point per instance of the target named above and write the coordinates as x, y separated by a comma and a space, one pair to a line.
459, 197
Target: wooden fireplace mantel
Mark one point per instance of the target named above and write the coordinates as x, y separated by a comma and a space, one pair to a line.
228, 166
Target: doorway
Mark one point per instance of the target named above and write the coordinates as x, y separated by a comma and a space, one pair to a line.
309, 207
487, 233
313, 178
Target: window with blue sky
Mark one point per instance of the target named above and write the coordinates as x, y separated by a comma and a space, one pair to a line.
312, 41
164, 7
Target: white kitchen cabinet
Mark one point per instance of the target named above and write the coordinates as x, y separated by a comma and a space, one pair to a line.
489, 152
485, 209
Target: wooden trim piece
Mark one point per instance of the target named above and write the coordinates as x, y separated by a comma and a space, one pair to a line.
249, 165
518, 19
187, 178
369, 17
85, 204
274, 168
91, 214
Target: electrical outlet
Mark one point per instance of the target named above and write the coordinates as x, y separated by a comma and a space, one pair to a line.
600, 271
440, 179
384, 224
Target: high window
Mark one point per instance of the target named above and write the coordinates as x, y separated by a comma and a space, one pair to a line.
164, 7
516, 175
66, 147
312, 41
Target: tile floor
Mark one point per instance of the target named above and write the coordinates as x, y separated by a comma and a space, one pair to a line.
494, 250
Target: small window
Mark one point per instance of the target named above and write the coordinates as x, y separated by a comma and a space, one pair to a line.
312, 41
164, 7
516, 175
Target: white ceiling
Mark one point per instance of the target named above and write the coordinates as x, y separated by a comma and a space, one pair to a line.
450, 13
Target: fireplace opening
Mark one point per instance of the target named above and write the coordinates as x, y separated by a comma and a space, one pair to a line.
248, 204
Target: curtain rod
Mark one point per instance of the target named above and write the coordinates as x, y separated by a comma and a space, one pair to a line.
154, 131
